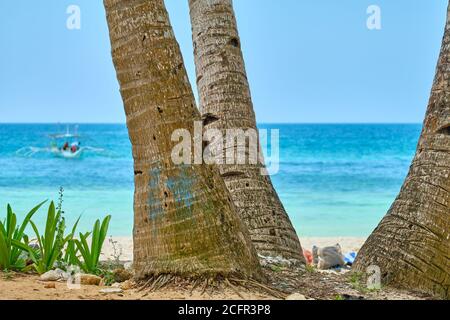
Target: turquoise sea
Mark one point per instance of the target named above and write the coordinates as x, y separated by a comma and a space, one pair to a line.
334, 180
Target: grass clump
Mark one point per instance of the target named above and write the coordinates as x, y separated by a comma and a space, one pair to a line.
50, 244
357, 282
91, 255
276, 268
12, 234
52, 248
310, 268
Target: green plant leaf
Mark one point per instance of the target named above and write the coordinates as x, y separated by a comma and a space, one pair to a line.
28, 218
50, 229
36, 231
4, 255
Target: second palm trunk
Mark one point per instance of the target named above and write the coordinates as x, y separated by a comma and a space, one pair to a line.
226, 103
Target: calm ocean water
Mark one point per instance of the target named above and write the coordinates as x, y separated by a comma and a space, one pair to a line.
334, 180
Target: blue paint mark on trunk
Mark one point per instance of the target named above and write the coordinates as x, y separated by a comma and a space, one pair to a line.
181, 188
154, 201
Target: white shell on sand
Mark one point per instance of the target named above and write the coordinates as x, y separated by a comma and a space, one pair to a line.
54, 275
111, 290
296, 296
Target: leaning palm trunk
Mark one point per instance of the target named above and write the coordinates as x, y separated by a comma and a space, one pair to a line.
411, 245
226, 103
184, 222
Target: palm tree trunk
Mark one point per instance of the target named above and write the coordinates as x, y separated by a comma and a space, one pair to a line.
226, 103
411, 245
184, 222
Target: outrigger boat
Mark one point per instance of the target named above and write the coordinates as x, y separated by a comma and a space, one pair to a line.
70, 144
66, 145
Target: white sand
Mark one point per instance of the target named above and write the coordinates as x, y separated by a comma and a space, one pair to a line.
347, 244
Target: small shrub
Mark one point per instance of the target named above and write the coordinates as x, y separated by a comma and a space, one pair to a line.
356, 280
108, 276
91, 255
310, 268
12, 234
51, 243
114, 260
54, 248
276, 268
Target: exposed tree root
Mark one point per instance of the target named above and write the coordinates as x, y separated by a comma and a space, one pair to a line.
233, 288
206, 285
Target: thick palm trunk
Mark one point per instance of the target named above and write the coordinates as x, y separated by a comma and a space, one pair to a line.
226, 103
411, 245
184, 223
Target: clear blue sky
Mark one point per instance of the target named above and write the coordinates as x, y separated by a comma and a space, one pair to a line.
307, 60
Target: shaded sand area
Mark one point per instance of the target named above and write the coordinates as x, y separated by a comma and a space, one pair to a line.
299, 284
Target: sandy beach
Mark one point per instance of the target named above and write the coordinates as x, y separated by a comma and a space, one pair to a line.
313, 284
302, 285
125, 245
